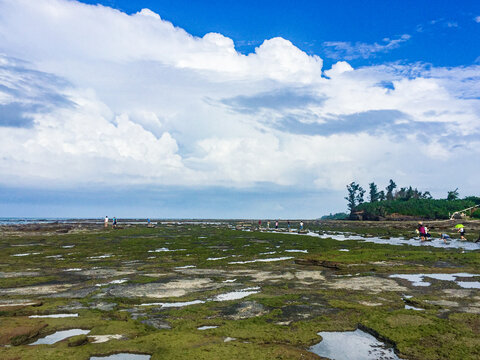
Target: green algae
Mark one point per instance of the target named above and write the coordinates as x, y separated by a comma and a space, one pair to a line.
294, 310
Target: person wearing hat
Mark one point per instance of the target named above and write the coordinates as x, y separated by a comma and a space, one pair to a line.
462, 234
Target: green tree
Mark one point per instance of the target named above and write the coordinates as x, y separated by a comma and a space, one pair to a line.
391, 186
381, 195
355, 196
401, 194
426, 195
452, 195
374, 194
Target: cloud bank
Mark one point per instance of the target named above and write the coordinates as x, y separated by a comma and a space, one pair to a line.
92, 96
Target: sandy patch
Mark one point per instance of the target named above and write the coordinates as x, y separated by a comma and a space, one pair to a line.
370, 284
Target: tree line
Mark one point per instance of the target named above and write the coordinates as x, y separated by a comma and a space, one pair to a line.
404, 200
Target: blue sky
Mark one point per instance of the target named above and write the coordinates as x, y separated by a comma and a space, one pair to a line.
442, 32
228, 109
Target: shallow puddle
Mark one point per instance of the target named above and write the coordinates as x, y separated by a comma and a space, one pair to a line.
59, 336
54, 257
185, 267
165, 250
113, 282
73, 269
419, 279
236, 295
206, 327
25, 245
262, 260
352, 345
53, 316
122, 356
175, 304
100, 257
398, 241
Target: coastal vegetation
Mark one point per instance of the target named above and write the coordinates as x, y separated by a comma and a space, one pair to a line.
406, 202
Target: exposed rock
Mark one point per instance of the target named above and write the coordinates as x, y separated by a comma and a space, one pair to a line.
302, 312
445, 303
175, 288
18, 303
155, 275
323, 263
457, 293
75, 293
310, 275
103, 306
245, 310
367, 303
105, 273
262, 276
471, 309
370, 284
75, 305
386, 263
36, 290
208, 272
4, 275
157, 323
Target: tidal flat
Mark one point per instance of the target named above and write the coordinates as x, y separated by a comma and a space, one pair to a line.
228, 290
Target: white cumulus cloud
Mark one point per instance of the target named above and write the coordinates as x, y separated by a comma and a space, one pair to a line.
91, 95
